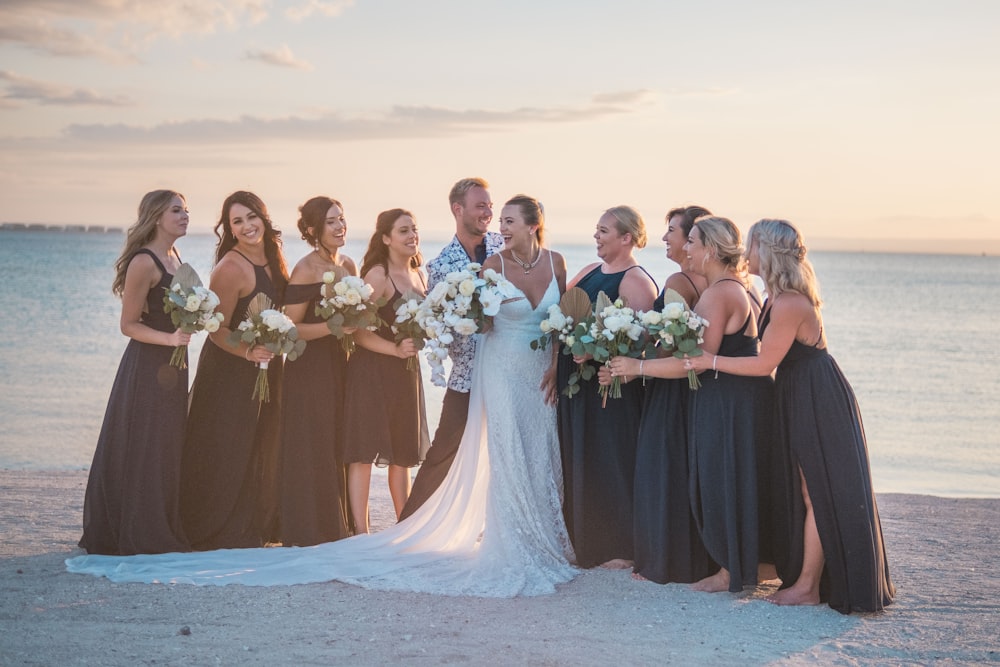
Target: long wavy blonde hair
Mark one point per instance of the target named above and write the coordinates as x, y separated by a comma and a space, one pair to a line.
142, 231
782, 260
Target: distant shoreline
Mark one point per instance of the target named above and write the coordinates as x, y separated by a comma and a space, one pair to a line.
896, 246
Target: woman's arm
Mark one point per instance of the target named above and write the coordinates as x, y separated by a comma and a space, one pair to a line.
382, 286
141, 276
788, 313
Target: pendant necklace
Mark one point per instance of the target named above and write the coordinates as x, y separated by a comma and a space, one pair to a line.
527, 266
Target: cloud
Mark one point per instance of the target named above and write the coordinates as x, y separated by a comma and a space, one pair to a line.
281, 57
19, 88
117, 30
329, 8
398, 122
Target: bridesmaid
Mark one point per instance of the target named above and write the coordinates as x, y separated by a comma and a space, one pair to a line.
598, 443
667, 545
729, 416
131, 503
835, 550
313, 484
228, 481
385, 418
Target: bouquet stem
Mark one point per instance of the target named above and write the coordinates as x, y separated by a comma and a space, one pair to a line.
261, 388
412, 363
347, 342
179, 357
693, 381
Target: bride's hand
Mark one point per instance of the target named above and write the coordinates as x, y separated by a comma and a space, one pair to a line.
579, 359
550, 391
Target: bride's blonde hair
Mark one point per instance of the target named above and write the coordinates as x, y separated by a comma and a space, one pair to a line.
781, 258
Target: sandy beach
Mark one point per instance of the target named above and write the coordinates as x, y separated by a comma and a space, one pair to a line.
941, 551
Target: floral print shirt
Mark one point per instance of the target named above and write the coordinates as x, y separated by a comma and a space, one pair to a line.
463, 350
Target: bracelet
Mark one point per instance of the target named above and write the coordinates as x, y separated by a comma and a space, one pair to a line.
246, 355
715, 360
640, 372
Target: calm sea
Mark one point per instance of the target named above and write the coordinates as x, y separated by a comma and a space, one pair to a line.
915, 334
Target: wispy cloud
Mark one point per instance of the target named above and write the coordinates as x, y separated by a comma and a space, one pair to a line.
329, 8
397, 122
280, 57
22, 89
116, 30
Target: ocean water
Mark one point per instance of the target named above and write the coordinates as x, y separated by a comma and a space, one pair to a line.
916, 336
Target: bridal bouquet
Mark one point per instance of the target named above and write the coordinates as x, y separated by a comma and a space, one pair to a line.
274, 330
615, 331
191, 307
463, 303
678, 330
347, 303
411, 314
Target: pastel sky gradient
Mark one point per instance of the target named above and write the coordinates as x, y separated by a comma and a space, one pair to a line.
858, 120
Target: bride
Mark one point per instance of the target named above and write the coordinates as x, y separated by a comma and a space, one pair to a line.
494, 528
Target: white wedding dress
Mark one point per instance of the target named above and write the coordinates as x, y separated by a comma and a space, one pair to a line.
494, 528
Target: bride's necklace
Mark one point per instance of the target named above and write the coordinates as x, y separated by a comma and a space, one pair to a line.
527, 266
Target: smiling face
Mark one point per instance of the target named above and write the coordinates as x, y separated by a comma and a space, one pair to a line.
697, 253
515, 231
475, 212
335, 228
245, 226
611, 243
174, 220
675, 238
404, 238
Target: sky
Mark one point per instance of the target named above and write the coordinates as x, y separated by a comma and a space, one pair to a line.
872, 123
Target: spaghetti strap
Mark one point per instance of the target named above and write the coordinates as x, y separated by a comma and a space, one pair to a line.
503, 270
259, 266
156, 260
697, 292
637, 266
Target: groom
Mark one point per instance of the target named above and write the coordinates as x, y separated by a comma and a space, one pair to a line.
473, 210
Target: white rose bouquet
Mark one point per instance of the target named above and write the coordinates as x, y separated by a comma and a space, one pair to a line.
191, 307
615, 331
462, 304
676, 330
347, 303
569, 322
274, 330
412, 313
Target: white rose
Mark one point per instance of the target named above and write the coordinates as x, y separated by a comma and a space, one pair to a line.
474, 267
652, 318
193, 303
557, 320
329, 277
570, 340
211, 325
466, 327
673, 311
614, 323
545, 326
467, 287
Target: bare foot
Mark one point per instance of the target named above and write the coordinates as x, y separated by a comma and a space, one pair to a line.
794, 597
717, 583
618, 564
638, 577
766, 572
